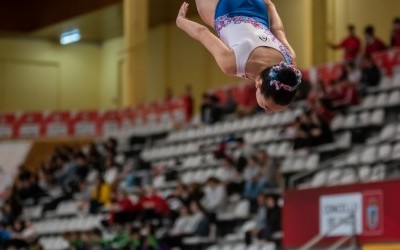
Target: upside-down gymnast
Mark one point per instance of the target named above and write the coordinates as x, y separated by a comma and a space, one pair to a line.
251, 43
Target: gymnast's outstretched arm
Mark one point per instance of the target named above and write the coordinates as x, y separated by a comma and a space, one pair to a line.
224, 56
277, 27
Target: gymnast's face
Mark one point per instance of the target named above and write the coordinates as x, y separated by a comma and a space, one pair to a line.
267, 103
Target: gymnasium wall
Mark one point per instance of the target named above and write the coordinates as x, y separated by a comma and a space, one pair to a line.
38, 75
110, 71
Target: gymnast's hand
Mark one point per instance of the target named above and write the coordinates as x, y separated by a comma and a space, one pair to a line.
268, 2
182, 14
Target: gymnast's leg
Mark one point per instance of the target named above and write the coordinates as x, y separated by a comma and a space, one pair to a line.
206, 9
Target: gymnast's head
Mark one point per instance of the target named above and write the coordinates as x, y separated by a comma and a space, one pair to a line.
277, 87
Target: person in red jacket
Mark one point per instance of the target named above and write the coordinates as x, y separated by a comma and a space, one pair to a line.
153, 206
351, 45
123, 208
372, 43
395, 39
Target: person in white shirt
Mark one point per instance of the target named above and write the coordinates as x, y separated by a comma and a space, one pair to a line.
214, 197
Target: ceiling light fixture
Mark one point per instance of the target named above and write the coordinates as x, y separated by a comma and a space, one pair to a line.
69, 37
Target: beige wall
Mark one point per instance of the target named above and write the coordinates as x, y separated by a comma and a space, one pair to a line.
37, 75
110, 75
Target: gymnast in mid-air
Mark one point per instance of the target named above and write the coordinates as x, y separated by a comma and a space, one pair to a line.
251, 43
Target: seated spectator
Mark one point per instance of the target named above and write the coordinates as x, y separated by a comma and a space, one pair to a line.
252, 168
371, 75
82, 167
101, 195
344, 94
230, 105
274, 218
253, 187
353, 73
395, 39
178, 199
129, 178
188, 224
214, 197
323, 109
153, 206
269, 168
195, 192
260, 219
111, 170
183, 224
373, 44
241, 152
210, 111
123, 209
228, 174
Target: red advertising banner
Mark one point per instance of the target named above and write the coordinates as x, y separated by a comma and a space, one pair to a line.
8, 127
379, 220
30, 125
58, 123
85, 123
109, 121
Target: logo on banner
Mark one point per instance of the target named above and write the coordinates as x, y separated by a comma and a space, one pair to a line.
372, 215
373, 212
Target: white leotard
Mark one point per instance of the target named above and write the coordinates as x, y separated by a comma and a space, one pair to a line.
243, 35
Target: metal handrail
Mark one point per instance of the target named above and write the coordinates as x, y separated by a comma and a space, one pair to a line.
316, 239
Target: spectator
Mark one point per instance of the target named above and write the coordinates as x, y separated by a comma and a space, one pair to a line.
101, 195
210, 112
351, 45
230, 176
83, 168
311, 131
343, 95
371, 75
260, 219
183, 224
395, 39
189, 102
253, 187
241, 152
274, 218
195, 192
214, 197
154, 207
110, 170
268, 167
373, 44
123, 209
194, 224
353, 73
230, 105
252, 169
178, 199
227, 172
